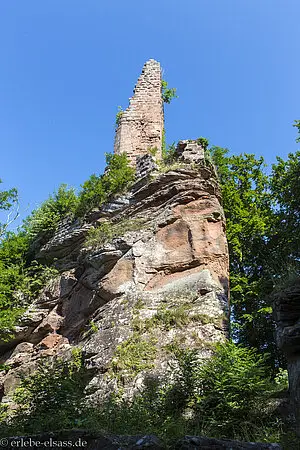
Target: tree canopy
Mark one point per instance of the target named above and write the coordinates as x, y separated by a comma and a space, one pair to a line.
262, 219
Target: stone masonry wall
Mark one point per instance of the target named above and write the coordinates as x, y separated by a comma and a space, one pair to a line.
141, 124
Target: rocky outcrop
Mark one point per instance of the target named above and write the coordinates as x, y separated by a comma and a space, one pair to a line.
287, 317
190, 151
65, 245
153, 276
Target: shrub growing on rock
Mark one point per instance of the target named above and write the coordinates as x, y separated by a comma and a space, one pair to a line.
50, 398
43, 221
97, 189
224, 397
20, 280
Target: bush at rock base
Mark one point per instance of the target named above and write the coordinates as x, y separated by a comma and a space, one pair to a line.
228, 396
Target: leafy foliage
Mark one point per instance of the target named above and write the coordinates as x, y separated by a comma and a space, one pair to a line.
50, 398
284, 185
118, 116
20, 280
98, 189
8, 200
14, 284
204, 142
44, 220
167, 93
225, 397
107, 231
250, 217
169, 154
152, 151
91, 195
286, 190
229, 384
297, 125
133, 355
119, 174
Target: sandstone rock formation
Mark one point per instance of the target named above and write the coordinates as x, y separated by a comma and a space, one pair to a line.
287, 317
140, 126
160, 281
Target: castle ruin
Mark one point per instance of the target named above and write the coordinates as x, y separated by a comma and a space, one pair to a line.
140, 126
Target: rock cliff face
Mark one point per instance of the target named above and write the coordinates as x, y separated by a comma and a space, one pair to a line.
153, 276
287, 317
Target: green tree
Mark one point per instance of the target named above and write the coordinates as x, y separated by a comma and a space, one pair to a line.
20, 280
118, 176
14, 284
297, 125
167, 93
91, 195
250, 219
8, 202
285, 187
43, 221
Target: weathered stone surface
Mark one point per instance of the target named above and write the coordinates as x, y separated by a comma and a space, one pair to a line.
287, 317
141, 124
176, 260
31, 320
64, 246
145, 164
96, 441
286, 312
24, 360
190, 151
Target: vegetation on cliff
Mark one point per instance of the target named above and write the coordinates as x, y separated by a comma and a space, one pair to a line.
262, 219
98, 189
8, 200
228, 396
21, 277
167, 93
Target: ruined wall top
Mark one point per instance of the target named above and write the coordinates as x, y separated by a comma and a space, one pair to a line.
141, 125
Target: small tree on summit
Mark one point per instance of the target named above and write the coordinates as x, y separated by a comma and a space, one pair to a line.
168, 93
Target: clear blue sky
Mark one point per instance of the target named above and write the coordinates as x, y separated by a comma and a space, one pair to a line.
66, 65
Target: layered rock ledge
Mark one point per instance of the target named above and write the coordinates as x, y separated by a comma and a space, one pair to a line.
159, 278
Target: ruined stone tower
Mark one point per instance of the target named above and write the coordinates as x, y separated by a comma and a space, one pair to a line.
141, 125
